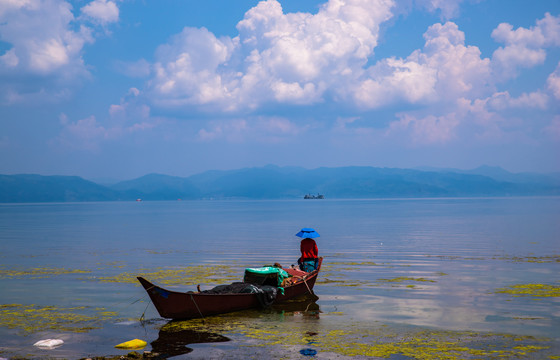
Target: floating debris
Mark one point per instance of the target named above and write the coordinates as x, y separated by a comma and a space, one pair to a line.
308, 352
132, 344
49, 343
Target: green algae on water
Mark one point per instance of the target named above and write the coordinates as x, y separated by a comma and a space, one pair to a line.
534, 290
405, 278
188, 275
370, 340
532, 259
40, 272
34, 318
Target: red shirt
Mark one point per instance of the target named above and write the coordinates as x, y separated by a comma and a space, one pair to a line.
309, 249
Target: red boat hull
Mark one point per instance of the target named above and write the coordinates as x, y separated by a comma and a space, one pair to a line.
188, 305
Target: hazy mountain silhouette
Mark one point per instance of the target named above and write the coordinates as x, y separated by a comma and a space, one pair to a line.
273, 182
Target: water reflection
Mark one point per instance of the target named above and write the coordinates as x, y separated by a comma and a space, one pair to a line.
175, 336
173, 343
305, 305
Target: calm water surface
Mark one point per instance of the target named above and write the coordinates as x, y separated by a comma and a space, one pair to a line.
436, 264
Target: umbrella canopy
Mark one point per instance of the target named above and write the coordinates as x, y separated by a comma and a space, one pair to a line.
308, 233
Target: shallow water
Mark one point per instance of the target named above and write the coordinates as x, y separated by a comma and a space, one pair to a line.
394, 270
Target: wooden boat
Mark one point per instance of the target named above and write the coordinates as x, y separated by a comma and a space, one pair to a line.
189, 305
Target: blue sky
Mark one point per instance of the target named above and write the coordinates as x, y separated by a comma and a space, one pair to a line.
117, 89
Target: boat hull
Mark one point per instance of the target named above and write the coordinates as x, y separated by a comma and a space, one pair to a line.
188, 305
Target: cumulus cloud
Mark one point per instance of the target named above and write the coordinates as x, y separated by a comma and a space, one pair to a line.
502, 101
45, 42
444, 70
466, 83
277, 57
42, 37
101, 11
524, 48
187, 70
391, 80
306, 59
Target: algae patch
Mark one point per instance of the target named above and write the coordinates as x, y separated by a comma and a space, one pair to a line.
367, 340
34, 318
189, 275
532, 259
534, 290
406, 278
39, 273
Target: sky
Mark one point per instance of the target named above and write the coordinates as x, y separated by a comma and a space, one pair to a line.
116, 89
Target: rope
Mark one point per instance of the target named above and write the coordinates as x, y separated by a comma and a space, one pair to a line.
195, 304
305, 282
144, 313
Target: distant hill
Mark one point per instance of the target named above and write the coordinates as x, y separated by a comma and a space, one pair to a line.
159, 187
499, 174
273, 182
37, 188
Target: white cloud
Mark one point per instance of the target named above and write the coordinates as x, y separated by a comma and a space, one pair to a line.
186, 71
307, 59
464, 85
129, 110
102, 11
277, 57
444, 70
391, 80
502, 100
524, 47
553, 82
460, 69
14, 5
428, 129
46, 43
42, 37
125, 119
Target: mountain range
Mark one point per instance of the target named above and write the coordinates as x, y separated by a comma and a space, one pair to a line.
273, 182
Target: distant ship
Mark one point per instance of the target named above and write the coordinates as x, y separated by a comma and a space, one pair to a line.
318, 196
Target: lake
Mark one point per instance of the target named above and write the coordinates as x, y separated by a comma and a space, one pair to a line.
401, 278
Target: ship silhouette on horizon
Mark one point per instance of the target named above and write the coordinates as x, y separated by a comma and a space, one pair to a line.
310, 196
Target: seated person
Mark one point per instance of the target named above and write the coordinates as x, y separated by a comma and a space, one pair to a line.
309, 255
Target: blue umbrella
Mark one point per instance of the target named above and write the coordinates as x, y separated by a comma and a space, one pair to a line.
308, 233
